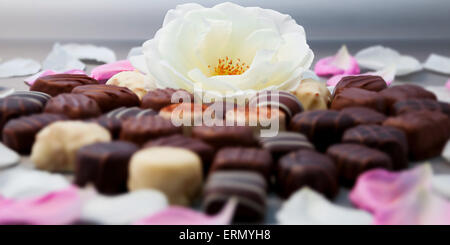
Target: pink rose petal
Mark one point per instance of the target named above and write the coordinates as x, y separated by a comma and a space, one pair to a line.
447, 85
185, 216
400, 197
388, 74
104, 72
341, 63
30, 80
56, 208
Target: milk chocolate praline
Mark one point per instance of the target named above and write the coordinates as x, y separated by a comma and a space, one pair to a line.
60, 83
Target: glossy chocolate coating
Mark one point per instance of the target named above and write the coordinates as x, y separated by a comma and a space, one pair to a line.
160, 98
285, 142
109, 97
403, 92
19, 134
42, 97
60, 83
113, 125
222, 136
74, 106
364, 115
123, 113
284, 101
307, 168
13, 107
351, 97
371, 83
351, 160
389, 140
322, 127
410, 105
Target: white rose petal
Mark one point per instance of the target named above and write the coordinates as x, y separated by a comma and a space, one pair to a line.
59, 60
438, 63
90, 52
19, 67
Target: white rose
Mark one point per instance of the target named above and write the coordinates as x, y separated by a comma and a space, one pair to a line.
226, 50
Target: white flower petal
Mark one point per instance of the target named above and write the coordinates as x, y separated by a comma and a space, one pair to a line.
441, 184
135, 51
8, 157
90, 52
438, 63
19, 67
60, 60
441, 93
180, 11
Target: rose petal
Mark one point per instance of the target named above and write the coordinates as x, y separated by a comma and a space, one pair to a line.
8, 157
447, 85
21, 183
104, 72
379, 57
307, 207
30, 80
90, 52
341, 63
401, 197
55, 208
19, 67
388, 74
441, 185
438, 63
441, 92
186, 216
123, 209
59, 60
134, 51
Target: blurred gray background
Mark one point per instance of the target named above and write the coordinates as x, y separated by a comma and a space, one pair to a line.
139, 19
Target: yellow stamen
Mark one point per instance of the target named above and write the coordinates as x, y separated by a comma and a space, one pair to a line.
227, 67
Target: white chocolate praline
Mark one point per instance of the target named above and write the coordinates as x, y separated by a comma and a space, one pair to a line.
313, 95
133, 80
176, 172
56, 144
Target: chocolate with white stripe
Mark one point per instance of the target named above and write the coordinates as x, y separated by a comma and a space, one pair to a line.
74, 106
284, 101
13, 107
285, 142
42, 97
248, 187
123, 113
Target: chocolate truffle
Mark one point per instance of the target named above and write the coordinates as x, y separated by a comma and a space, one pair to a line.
285, 142
307, 168
13, 107
160, 98
123, 113
137, 82
313, 95
260, 119
364, 115
113, 125
221, 136
351, 97
249, 188
143, 129
284, 101
410, 105
60, 83
176, 172
371, 83
427, 132
322, 127
56, 145
75, 106
19, 134
42, 97
205, 151
403, 92
242, 158
351, 160
104, 164
389, 140
109, 97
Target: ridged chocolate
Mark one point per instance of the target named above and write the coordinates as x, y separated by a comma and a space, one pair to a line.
351, 97
74, 106
160, 98
403, 92
410, 105
105, 165
247, 187
42, 97
427, 132
351, 160
222, 136
112, 124
140, 130
371, 83
205, 151
322, 127
284, 101
19, 134
109, 97
285, 142
364, 115
123, 113
13, 107
389, 140
243, 158
60, 83
307, 168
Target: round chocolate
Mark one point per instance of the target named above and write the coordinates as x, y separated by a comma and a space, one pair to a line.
351, 97
367, 82
352, 160
307, 168
104, 164
221, 136
18, 134
74, 106
285, 142
322, 127
140, 130
390, 140
60, 83
160, 98
13, 107
364, 115
109, 97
